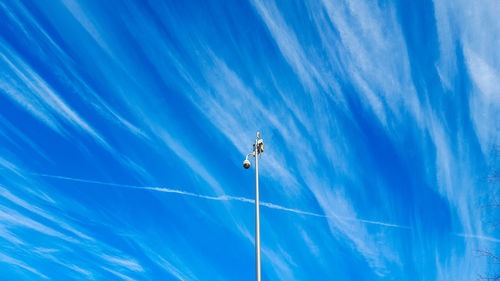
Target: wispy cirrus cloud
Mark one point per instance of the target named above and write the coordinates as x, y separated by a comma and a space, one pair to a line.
118, 274
23, 211
13, 261
35, 96
340, 91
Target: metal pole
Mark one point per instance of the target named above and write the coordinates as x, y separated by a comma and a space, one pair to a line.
257, 215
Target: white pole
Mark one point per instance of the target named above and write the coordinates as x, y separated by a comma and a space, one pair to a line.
257, 215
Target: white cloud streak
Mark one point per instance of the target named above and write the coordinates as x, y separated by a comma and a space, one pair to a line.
118, 274
37, 210
128, 263
11, 217
10, 260
33, 94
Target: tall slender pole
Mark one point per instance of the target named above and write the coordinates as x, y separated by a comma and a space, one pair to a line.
257, 215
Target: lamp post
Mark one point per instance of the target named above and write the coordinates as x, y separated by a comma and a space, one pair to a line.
258, 148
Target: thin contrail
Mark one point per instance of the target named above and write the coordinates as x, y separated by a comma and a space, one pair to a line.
219, 198
478, 237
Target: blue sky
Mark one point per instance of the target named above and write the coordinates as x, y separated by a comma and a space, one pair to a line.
124, 124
